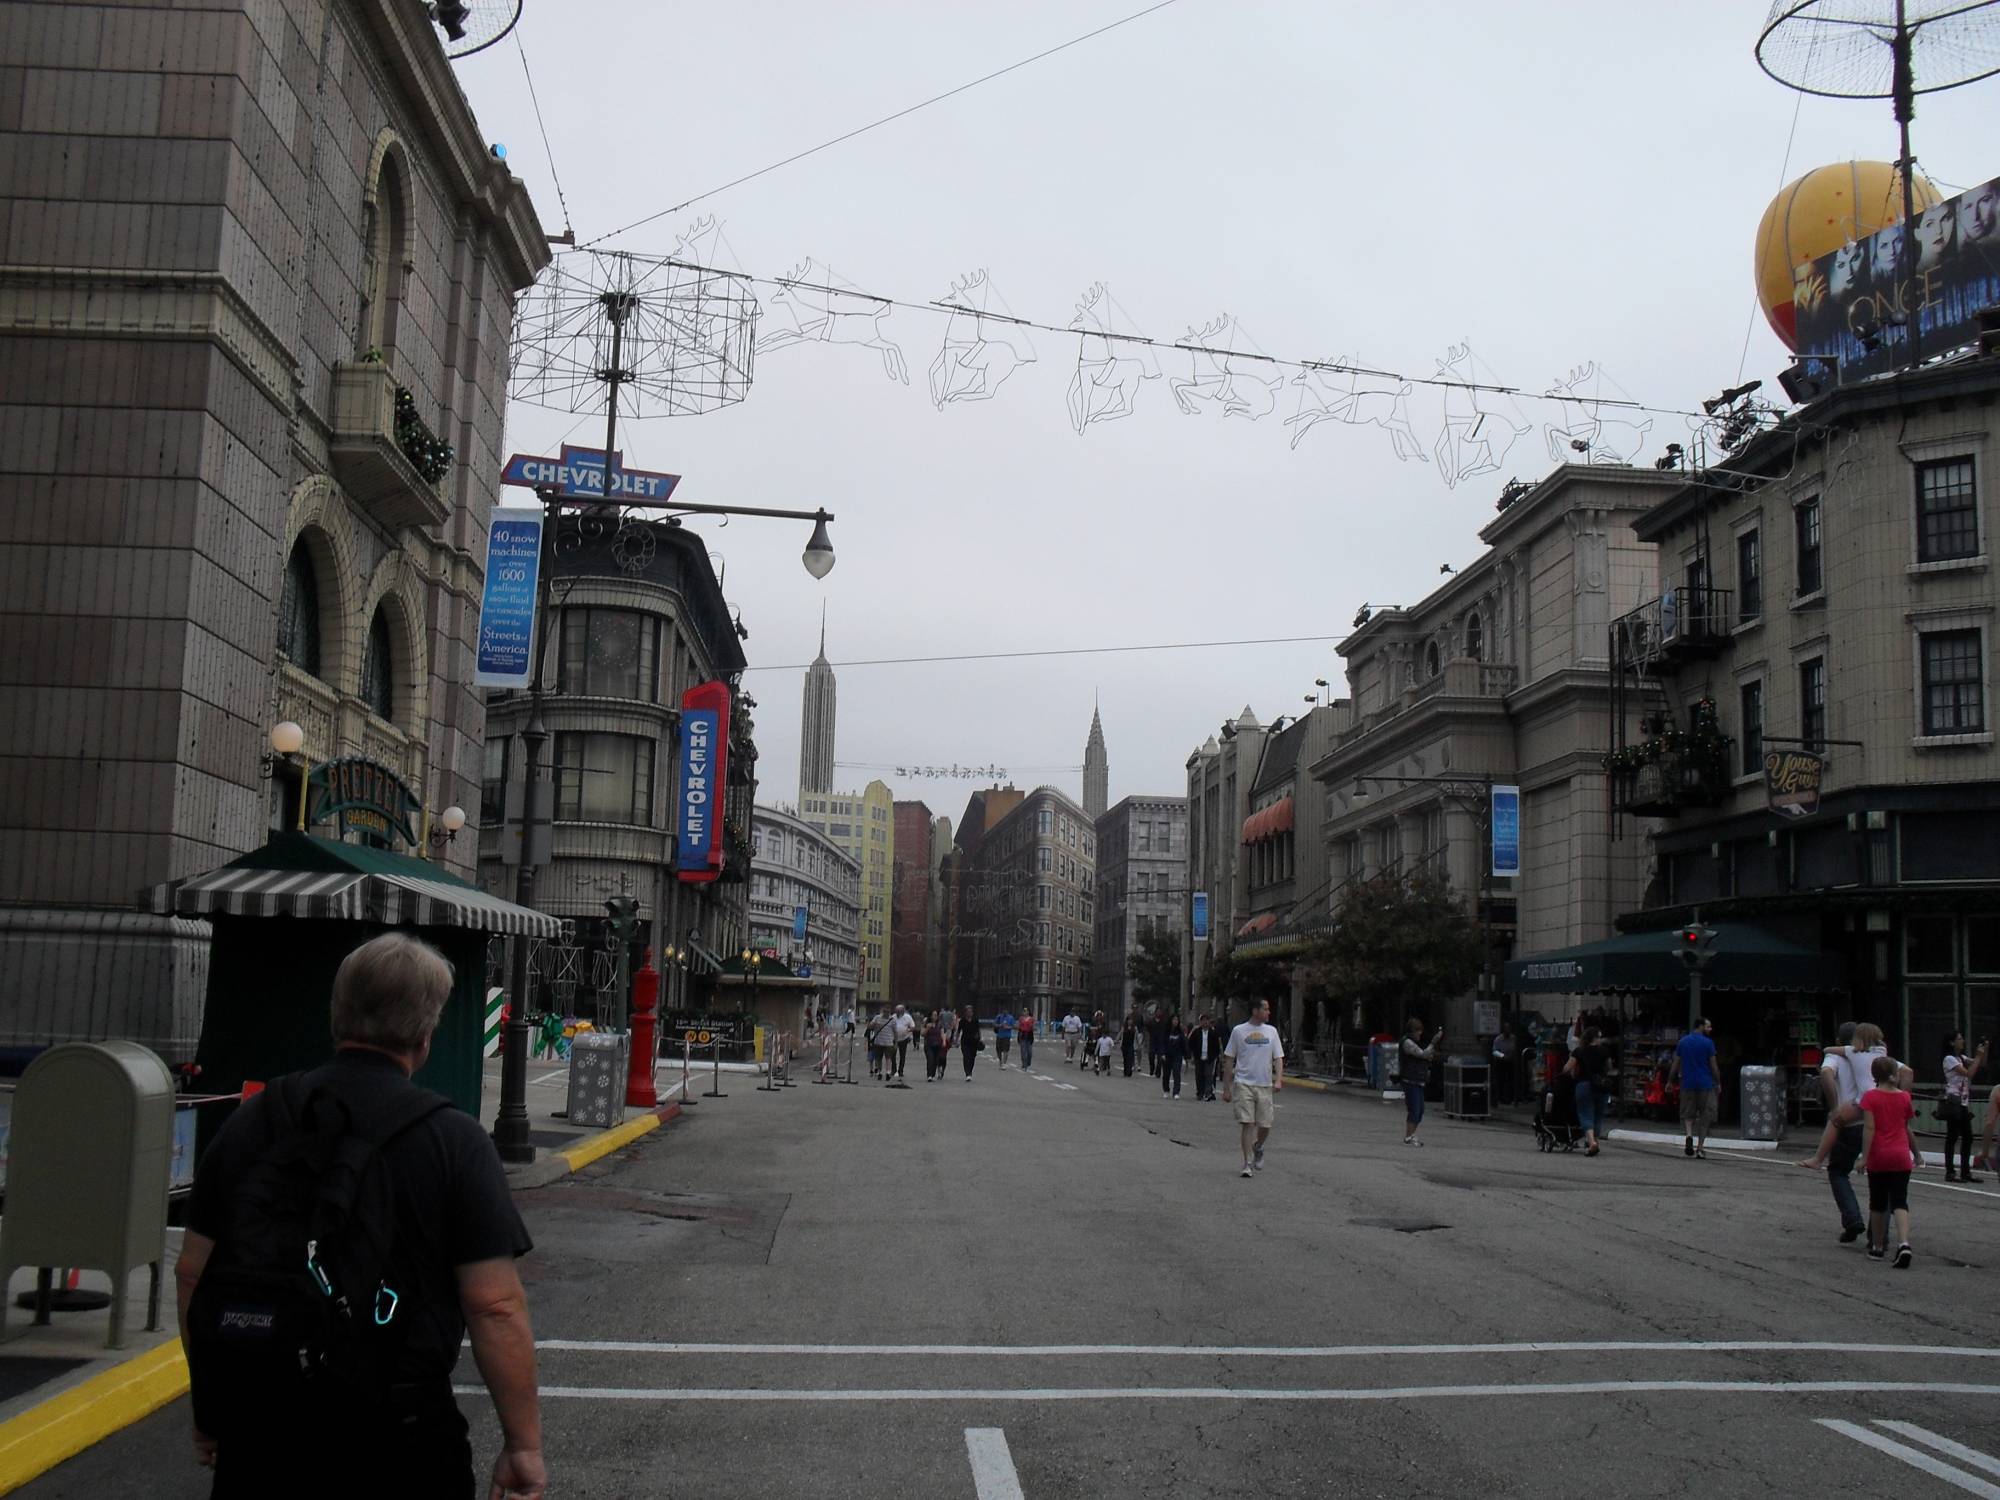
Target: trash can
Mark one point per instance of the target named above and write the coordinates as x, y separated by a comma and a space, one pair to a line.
1468, 1088
597, 1079
1762, 1093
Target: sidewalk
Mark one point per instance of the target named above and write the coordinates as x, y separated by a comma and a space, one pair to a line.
61, 1390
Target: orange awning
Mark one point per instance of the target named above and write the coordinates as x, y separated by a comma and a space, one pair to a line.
1269, 822
1262, 922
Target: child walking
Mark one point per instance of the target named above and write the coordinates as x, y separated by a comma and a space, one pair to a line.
1885, 1127
1104, 1051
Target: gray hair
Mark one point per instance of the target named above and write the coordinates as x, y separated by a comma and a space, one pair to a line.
390, 992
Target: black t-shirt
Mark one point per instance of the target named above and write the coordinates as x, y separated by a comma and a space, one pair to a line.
1593, 1062
453, 1206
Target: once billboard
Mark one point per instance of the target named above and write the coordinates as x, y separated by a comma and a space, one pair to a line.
1855, 305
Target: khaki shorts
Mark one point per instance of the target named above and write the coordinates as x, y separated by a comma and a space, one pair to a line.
1698, 1109
1254, 1105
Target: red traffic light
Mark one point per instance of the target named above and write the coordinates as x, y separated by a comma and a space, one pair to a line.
1691, 936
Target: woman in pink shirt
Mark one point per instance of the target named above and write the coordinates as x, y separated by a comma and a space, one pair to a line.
1885, 1137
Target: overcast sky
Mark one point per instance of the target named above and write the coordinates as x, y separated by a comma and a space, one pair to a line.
1556, 181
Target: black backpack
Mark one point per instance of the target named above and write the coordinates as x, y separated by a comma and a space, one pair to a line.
304, 1305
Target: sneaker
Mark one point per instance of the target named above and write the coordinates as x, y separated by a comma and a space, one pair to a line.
1247, 1172
1851, 1233
1968, 1177
1416, 1140
1874, 1254
1903, 1258
1688, 1149
1701, 1153
1257, 1157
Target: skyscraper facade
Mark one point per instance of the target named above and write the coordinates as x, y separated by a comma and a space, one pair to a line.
1096, 771
863, 825
816, 725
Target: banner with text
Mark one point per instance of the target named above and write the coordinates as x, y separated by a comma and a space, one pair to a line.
704, 768
1506, 819
506, 653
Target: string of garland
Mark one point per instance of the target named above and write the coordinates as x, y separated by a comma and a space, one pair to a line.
427, 452
1702, 746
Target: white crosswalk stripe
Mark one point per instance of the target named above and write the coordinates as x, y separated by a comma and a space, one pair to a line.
993, 1475
1916, 1458
1972, 1458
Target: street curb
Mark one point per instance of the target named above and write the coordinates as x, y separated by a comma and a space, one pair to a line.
64, 1425
1309, 1083
559, 1164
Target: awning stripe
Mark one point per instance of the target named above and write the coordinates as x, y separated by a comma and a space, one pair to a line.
344, 895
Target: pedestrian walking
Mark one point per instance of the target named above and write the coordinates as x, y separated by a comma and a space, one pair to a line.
1847, 1072
1003, 1036
1504, 1049
1204, 1045
1104, 1051
877, 1035
1886, 1112
417, 1235
903, 1027
969, 1043
1173, 1053
1072, 1030
1100, 1027
1701, 1093
1128, 1042
1417, 1059
1156, 1041
1591, 1066
882, 1043
1253, 1073
1956, 1106
1025, 1030
934, 1048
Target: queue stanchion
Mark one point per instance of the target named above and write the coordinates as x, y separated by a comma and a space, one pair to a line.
687, 1051
786, 1081
850, 1059
770, 1083
715, 1051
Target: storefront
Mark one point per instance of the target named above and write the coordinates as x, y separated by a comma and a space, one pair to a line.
1771, 1001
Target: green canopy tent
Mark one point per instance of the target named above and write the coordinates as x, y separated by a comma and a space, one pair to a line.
285, 915
1745, 958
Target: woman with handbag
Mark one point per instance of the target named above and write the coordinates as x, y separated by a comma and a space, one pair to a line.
1956, 1107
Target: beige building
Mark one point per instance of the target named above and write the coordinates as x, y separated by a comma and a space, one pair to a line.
1221, 773
1831, 589
796, 866
1142, 851
255, 299
863, 825
1499, 676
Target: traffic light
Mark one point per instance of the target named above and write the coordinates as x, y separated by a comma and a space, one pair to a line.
624, 912
1695, 944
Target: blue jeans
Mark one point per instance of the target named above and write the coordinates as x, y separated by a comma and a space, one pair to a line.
1027, 1051
1590, 1103
1413, 1103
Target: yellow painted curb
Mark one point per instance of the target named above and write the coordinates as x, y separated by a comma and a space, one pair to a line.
63, 1426
1307, 1083
586, 1151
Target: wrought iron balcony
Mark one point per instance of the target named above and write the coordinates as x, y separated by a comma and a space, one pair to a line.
1668, 783
1684, 624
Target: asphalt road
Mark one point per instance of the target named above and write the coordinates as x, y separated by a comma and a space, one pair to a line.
1057, 1286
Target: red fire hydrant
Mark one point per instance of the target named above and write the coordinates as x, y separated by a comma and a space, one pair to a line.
639, 1091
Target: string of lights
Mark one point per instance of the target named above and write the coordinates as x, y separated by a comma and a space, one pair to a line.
547, 149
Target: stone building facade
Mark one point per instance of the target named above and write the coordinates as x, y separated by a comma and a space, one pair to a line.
864, 824
916, 902
1221, 773
638, 618
259, 266
1831, 589
1142, 874
1502, 674
1025, 904
794, 865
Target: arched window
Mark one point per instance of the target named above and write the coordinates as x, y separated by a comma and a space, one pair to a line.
1432, 664
1475, 638
298, 611
378, 669
385, 250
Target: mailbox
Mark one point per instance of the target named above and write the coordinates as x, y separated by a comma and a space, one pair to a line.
89, 1158
597, 1078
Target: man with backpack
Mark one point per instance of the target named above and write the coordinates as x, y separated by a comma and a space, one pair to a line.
347, 1231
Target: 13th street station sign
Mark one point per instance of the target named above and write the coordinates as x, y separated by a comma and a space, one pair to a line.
579, 475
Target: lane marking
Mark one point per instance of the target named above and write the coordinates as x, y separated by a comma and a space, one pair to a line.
1972, 1458
1916, 1179
1915, 1458
993, 1476
675, 1394
1276, 1351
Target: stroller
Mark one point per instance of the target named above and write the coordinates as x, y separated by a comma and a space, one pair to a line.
1556, 1127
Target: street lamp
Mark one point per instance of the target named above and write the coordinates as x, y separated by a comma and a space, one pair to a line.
287, 738
818, 556
446, 828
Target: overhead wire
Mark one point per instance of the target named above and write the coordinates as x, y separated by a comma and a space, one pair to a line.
890, 119
904, 661
547, 149
1756, 298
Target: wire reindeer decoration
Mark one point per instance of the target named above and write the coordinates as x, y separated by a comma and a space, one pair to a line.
808, 309
1475, 439
1324, 400
981, 348
1106, 384
1604, 440
1218, 377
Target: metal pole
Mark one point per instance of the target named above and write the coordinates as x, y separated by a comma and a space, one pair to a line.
510, 1127
1906, 107
1694, 995
715, 1051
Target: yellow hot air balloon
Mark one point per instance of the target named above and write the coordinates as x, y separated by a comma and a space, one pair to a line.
1815, 216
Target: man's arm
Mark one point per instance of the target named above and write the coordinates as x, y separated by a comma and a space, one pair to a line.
1228, 1076
1829, 1087
503, 1345
1277, 1072
195, 1250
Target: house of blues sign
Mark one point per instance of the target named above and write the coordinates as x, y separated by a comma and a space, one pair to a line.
366, 797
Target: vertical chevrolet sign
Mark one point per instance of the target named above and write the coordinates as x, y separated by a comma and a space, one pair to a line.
506, 651
704, 771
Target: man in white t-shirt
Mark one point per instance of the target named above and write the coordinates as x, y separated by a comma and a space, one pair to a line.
1253, 1070
903, 1026
1072, 1028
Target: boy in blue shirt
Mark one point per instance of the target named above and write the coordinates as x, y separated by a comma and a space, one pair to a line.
1694, 1066
1003, 1033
